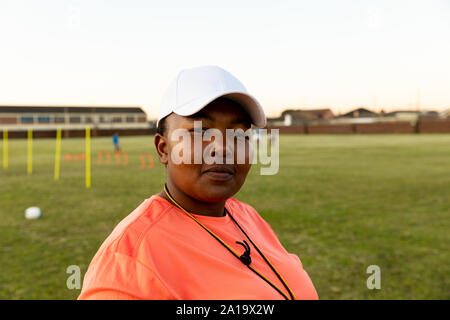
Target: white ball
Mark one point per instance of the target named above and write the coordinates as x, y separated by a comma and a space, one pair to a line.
33, 213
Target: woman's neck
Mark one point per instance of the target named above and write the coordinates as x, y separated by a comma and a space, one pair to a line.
193, 205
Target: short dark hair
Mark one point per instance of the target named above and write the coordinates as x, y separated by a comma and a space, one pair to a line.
161, 126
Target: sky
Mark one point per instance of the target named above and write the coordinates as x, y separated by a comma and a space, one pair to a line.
384, 55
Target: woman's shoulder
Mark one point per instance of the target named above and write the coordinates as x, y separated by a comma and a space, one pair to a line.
125, 236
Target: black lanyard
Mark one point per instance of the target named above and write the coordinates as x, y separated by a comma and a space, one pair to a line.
245, 258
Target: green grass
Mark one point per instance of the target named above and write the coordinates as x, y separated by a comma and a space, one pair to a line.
341, 203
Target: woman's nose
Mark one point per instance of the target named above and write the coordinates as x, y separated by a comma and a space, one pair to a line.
220, 150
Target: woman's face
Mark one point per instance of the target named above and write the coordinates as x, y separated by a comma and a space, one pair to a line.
204, 182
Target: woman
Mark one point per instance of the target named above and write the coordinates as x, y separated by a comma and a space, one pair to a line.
193, 240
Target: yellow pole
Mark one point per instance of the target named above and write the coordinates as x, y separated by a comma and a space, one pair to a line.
5, 148
30, 151
57, 153
88, 157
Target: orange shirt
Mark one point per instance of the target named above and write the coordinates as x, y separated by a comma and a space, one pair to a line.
159, 252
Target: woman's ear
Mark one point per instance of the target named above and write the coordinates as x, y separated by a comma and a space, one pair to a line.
162, 148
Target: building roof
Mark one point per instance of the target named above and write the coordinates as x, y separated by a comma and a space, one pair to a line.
309, 114
399, 112
359, 113
69, 109
445, 113
304, 115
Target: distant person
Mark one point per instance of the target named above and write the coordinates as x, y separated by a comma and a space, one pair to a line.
193, 240
115, 139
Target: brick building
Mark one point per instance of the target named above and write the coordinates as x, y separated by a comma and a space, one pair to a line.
20, 118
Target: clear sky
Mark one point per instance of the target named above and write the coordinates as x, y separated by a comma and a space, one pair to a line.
289, 54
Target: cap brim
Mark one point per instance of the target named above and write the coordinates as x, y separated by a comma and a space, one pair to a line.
248, 103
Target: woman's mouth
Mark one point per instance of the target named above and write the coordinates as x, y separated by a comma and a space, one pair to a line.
219, 173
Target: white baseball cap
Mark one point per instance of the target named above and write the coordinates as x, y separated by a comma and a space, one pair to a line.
195, 88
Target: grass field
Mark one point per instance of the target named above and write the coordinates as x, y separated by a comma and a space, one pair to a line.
341, 203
